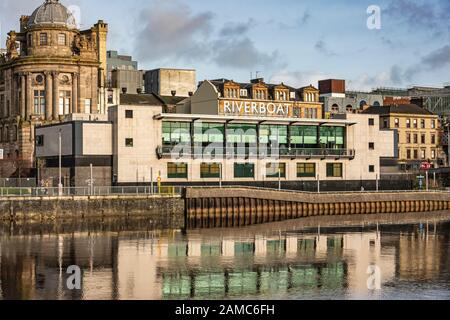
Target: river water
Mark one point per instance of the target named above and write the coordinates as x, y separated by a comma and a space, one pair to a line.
350, 258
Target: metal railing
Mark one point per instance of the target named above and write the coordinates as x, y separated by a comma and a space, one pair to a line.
168, 152
91, 191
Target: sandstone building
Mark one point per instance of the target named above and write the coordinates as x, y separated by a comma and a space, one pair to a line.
50, 69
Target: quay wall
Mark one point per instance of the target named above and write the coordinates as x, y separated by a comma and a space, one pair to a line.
165, 211
234, 207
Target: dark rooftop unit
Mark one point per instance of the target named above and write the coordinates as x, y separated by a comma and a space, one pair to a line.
400, 109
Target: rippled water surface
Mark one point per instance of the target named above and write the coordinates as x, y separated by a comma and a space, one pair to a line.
369, 260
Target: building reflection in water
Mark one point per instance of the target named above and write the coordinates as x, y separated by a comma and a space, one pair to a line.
174, 265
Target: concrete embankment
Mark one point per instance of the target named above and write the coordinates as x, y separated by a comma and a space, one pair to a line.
167, 210
235, 207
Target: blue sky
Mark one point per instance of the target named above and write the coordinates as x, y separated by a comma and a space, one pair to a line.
291, 41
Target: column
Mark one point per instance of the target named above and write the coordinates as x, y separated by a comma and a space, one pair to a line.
74, 103
23, 95
55, 108
48, 96
30, 97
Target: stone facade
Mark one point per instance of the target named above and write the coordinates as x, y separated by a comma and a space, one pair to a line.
50, 69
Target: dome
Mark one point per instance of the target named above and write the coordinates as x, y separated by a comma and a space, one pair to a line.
52, 13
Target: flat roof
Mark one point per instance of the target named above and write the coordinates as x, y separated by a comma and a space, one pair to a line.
249, 119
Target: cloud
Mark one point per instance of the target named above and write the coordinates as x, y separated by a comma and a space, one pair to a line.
299, 78
435, 60
242, 53
236, 29
322, 47
171, 30
428, 15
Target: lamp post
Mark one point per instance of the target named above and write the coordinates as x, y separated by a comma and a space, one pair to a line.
60, 164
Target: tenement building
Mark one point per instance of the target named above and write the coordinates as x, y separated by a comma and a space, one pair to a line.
419, 132
50, 69
234, 133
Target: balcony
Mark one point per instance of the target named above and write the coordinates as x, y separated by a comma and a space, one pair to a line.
249, 153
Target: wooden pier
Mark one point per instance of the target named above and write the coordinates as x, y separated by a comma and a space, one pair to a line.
243, 206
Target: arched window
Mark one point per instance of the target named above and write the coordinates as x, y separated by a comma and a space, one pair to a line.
363, 103
335, 108
349, 109
376, 104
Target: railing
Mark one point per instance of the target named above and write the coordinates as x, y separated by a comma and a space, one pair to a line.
90, 191
168, 152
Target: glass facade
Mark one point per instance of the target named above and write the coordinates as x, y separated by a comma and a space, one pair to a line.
174, 133
304, 137
209, 138
332, 137
242, 139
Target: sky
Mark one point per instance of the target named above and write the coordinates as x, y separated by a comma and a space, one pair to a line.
297, 42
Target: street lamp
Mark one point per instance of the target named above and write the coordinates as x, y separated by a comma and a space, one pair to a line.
60, 186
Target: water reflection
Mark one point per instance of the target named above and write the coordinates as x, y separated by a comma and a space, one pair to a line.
304, 263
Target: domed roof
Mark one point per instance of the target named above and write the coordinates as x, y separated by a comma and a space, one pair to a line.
51, 12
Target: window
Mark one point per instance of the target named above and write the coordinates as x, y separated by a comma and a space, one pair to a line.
30, 40
210, 170
64, 102
422, 123
408, 138
129, 142
332, 137
416, 138
39, 140
433, 139
244, 92
303, 137
416, 154
43, 39
371, 122
433, 124
275, 170
385, 123
110, 97
423, 138
415, 123
292, 95
39, 102
422, 154
408, 154
174, 133
306, 170
177, 170
62, 39
15, 133
397, 122
372, 168
371, 146
244, 170
334, 170
433, 154
129, 114
408, 123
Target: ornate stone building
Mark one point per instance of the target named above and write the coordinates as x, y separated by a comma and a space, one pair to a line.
50, 69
